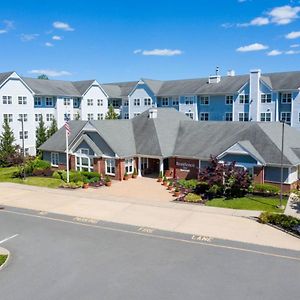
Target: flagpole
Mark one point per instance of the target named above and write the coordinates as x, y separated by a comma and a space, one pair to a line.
67, 155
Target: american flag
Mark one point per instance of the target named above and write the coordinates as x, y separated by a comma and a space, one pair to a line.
67, 125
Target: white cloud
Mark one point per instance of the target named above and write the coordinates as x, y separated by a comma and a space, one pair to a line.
8, 25
159, 52
293, 35
62, 26
295, 46
28, 37
50, 73
260, 21
47, 44
274, 53
283, 15
252, 47
291, 52
56, 38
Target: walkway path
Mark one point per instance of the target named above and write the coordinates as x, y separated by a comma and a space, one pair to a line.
115, 205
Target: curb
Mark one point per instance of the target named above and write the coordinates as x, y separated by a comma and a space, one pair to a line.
7, 259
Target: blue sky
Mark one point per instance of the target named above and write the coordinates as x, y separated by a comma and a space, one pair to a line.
130, 39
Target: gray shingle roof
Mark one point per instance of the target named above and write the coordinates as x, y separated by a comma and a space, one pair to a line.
174, 134
4, 76
119, 89
284, 80
82, 85
52, 87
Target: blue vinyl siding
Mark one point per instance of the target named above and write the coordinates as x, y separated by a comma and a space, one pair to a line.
47, 157
273, 174
43, 102
239, 158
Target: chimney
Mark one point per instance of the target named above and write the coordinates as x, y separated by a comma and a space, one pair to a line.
214, 79
230, 73
254, 94
152, 113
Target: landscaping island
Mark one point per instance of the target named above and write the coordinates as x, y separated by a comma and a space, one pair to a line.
3, 259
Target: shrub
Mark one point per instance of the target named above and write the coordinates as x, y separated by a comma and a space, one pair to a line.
41, 164
75, 176
194, 198
90, 175
71, 185
266, 188
107, 179
94, 180
215, 190
56, 175
286, 222
188, 184
201, 188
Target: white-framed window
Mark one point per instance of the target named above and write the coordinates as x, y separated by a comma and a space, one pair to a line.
244, 98
164, 101
49, 117
8, 117
38, 117
266, 98
286, 98
204, 116
115, 103
23, 117
6, 99
89, 102
129, 165
49, 101
110, 166
37, 101
136, 102
286, 117
90, 117
22, 100
100, 102
147, 101
100, 116
228, 99
228, 116
204, 100
265, 117
84, 163
67, 117
243, 117
190, 115
175, 101
136, 114
54, 159
126, 102
189, 100
84, 151
25, 135
126, 116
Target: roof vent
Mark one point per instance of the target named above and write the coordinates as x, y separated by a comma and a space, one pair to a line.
214, 79
231, 73
152, 113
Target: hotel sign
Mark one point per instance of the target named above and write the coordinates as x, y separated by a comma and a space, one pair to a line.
185, 165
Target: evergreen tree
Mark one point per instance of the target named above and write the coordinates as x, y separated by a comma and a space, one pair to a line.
111, 114
7, 147
43, 76
77, 116
41, 134
52, 129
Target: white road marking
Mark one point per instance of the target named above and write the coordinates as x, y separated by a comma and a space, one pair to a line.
160, 236
8, 238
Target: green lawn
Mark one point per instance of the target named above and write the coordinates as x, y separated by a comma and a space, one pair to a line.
249, 202
2, 259
6, 176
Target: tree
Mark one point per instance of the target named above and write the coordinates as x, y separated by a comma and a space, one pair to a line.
111, 114
77, 117
52, 129
43, 76
7, 147
41, 134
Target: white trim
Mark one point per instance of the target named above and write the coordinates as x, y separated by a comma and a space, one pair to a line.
113, 166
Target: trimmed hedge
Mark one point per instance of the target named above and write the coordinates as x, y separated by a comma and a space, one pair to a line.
266, 188
286, 222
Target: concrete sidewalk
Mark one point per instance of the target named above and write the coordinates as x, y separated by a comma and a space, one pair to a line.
164, 215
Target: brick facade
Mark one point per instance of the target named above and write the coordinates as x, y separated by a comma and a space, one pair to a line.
258, 174
184, 168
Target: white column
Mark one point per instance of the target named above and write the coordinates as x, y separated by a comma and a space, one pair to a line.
139, 167
161, 165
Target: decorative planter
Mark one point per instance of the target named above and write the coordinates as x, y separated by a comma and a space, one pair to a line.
85, 185
176, 194
159, 179
170, 187
134, 176
126, 177
165, 183
108, 183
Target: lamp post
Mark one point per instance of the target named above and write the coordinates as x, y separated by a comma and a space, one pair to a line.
281, 164
21, 119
